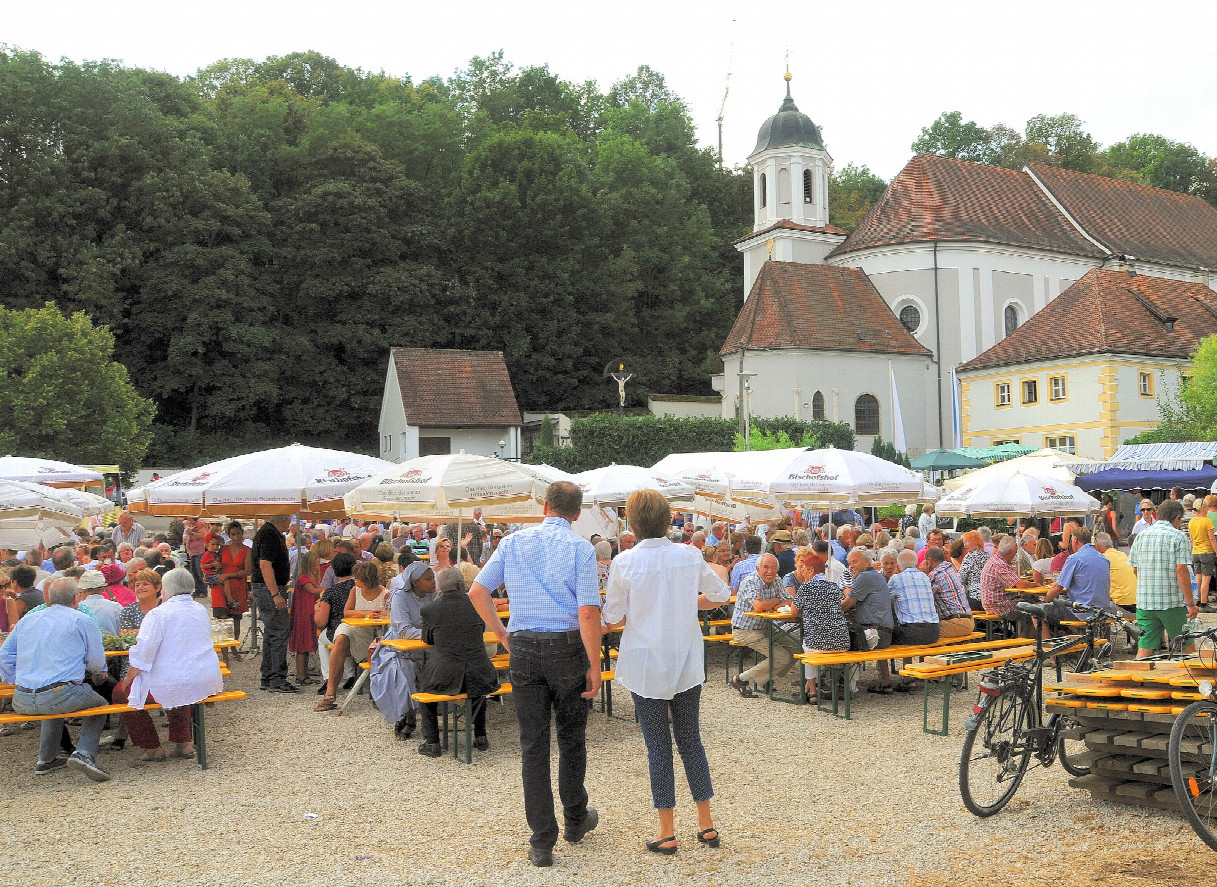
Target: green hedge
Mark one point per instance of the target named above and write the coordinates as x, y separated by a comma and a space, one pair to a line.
604, 438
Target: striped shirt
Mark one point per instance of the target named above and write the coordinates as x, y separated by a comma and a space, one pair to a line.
549, 571
1156, 552
912, 597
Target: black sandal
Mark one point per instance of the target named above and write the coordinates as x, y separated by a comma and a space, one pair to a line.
327, 703
709, 842
880, 690
658, 846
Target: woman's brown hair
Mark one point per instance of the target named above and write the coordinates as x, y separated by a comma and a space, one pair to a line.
649, 514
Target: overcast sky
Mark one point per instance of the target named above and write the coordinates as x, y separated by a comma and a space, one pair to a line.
871, 74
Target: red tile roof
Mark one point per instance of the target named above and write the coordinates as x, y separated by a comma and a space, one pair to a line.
455, 389
938, 198
787, 225
821, 307
1136, 220
1111, 312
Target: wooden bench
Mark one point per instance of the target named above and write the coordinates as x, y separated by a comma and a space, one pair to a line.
461, 708
840, 663
198, 720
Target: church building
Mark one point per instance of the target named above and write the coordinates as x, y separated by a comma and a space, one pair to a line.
952, 260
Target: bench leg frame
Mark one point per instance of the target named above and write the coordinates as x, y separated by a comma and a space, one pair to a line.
198, 726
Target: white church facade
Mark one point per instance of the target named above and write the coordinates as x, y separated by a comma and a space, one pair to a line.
961, 254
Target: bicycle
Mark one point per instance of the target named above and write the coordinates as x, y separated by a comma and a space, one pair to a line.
1007, 726
1193, 744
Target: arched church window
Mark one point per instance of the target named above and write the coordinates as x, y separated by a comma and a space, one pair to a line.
866, 414
764, 191
817, 407
807, 192
910, 318
1012, 320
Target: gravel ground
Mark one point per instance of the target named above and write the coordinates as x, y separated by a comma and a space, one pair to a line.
802, 798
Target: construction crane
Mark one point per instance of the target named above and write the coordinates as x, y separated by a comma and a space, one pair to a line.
721, 108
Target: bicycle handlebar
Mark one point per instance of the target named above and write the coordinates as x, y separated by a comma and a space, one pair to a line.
1101, 614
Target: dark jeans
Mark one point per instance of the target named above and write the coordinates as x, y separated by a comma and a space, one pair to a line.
548, 678
657, 733
916, 633
430, 723
275, 629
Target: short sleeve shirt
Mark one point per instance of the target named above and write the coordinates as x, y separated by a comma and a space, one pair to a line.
1156, 552
819, 603
751, 590
874, 599
913, 597
995, 578
336, 596
1087, 576
269, 545
1198, 528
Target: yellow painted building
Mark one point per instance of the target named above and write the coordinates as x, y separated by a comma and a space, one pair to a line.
1085, 374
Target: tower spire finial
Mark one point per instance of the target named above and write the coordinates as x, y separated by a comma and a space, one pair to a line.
786, 76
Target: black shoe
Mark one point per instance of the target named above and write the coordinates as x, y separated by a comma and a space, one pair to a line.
349, 683
320, 690
42, 768
481, 743
264, 685
745, 689
283, 687
430, 749
541, 857
575, 835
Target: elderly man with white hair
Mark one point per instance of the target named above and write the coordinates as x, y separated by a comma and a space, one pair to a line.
1000, 573
870, 598
913, 600
48, 656
174, 663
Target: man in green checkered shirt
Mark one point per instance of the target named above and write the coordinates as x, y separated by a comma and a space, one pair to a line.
1161, 555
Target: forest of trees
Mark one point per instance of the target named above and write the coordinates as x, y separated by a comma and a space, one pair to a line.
256, 237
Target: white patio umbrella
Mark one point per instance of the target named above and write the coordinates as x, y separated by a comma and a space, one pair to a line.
1047, 463
89, 503
1016, 495
20, 534
827, 476
713, 474
49, 472
309, 481
26, 501
734, 511
612, 485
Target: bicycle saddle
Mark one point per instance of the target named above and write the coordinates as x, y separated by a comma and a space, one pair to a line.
1040, 610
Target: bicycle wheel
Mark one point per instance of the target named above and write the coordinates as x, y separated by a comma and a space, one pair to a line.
994, 758
1193, 759
1071, 752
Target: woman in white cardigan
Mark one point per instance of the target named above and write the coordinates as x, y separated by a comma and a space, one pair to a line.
173, 662
656, 589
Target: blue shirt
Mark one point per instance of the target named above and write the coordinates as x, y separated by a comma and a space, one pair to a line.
837, 550
913, 596
744, 568
105, 612
54, 644
1087, 578
549, 571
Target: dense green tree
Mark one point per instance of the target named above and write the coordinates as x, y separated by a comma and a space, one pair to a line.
951, 136
1158, 161
73, 400
852, 192
1060, 140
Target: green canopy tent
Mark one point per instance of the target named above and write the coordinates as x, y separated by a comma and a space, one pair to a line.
945, 460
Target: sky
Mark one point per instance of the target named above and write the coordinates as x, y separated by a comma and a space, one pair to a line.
870, 74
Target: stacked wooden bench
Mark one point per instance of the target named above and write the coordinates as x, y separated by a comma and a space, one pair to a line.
1124, 715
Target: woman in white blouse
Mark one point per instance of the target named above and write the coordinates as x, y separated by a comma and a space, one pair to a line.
174, 663
655, 589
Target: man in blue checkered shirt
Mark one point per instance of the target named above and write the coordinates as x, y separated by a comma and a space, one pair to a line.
554, 640
913, 599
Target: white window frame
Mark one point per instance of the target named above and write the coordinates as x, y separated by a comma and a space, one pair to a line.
1057, 442
1052, 393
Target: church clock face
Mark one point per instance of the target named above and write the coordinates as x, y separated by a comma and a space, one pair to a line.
910, 318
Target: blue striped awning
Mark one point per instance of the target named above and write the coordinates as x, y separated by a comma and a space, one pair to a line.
1164, 456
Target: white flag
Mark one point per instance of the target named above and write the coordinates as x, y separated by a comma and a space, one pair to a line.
897, 419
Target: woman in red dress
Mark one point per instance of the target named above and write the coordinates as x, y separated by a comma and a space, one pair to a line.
303, 637
234, 577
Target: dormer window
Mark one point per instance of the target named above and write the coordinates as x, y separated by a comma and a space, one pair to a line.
807, 192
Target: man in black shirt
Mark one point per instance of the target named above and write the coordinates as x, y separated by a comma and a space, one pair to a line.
271, 580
